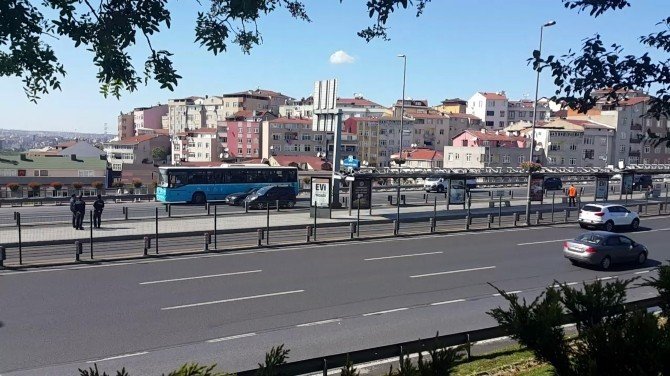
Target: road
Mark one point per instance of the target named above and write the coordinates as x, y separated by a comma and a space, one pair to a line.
230, 308
143, 210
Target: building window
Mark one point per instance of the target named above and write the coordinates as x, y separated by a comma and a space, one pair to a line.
450, 157
622, 149
275, 137
490, 113
318, 137
555, 147
248, 141
589, 153
239, 150
306, 137
647, 149
207, 155
41, 173
307, 148
489, 123
505, 159
199, 155
522, 114
501, 124
589, 140
468, 157
511, 114
623, 135
573, 147
85, 173
573, 161
502, 113
441, 131
520, 159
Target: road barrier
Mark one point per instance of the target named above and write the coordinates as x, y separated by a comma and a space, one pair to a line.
324, 364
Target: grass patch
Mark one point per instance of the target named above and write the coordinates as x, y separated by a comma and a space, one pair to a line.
512, 360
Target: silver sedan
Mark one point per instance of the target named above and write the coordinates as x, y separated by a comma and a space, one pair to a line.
604, 248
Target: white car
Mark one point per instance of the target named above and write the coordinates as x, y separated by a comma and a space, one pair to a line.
440, 184
608, 217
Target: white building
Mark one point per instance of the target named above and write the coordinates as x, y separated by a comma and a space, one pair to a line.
490, 107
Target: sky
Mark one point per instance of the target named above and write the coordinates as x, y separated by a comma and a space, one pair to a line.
456, 48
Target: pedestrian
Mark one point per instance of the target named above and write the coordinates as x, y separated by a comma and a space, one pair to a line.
572, 195
73, 198
98, 206
80, 209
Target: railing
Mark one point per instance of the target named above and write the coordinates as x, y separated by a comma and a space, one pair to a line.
635, 140
398, 350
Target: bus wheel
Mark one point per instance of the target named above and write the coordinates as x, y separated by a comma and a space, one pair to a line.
198, 198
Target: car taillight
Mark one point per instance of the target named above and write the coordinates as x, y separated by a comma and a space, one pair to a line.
565, 245
599, 214
590, 250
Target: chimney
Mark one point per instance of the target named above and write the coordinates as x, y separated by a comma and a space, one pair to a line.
23, 156
73, 157
483, 130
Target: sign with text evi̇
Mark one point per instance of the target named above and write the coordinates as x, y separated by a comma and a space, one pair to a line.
320, 193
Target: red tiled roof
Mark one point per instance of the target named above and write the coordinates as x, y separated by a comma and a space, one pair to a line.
587, 124
426, 116
491, 136
357, 119
285, 160
66, 144
423, 154
459, 115
285, 120
356, 102
633, 101
492, 96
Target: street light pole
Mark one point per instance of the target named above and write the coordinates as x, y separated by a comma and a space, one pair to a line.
532, 132
402, 102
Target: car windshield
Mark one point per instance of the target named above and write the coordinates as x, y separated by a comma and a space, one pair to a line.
432, 179
590, 238
262, 191
591, 208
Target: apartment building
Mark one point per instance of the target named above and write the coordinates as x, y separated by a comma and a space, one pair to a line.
240, 134
522, 110
125, 125
198, 145
490, 107
453, 106
291, 137
184, 114
485, 148
420, 158
134, 150
149, 117
358, 106
379, 138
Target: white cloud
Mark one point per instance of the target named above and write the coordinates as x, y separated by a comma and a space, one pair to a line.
341, 57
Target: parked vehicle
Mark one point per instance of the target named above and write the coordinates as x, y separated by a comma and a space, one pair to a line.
604, 249
553, 183
237, 198
440, 184
608, 217
641, 182
271, 195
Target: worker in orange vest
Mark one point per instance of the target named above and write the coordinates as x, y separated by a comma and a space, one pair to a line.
572, 194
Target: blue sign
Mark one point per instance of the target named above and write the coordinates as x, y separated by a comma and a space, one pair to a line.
351, 163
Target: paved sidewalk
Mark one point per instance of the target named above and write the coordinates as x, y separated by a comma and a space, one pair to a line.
250, 222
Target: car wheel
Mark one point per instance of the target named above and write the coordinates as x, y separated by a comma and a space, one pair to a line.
198, 198
635, 224
574, 262
440, 189
609, 226
641, 258
290, 204
605, 263
582, 225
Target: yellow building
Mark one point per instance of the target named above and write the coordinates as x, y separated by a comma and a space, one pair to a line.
452, 106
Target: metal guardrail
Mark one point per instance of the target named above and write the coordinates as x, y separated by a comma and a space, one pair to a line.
325, 363
65, 200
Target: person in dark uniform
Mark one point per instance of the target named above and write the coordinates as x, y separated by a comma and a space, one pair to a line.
80, 209
98, 206
73, 198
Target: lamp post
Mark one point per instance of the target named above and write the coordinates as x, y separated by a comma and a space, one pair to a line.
402, 101
532, 132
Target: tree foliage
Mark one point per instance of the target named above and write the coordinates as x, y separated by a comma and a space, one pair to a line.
159, 153
110, 29
611, 339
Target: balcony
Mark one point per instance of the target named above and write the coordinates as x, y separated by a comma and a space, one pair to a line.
636, 127
635, 140
634, 153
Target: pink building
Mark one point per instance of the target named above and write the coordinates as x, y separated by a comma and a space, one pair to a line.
479, 149
149, 117
242, 131
498, 139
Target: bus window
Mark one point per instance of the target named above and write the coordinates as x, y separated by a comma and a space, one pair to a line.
198, 177
163, 179
177, 178
291, 176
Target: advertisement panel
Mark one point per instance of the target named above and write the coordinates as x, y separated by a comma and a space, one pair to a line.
320, 192
361, 191
602, 187
536, 188
456, 191
627, 184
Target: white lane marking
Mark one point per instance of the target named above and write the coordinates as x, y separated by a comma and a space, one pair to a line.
401, 256
384, 312
451, 272
642, 272
606, 278
232, 300
231, 337
200, 277
546, 241
315, 323
118, 357
509, 292
447, 302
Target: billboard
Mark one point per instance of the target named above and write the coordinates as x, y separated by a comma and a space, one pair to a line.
536, 188
325, 106
602, 187
456, 191
361, 192
320, 193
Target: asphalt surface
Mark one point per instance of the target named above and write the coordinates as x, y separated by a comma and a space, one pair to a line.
230, 308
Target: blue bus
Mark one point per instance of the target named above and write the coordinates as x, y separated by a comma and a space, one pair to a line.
198, 185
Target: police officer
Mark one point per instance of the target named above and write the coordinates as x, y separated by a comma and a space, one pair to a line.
80, 209
73, 199
98, 206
